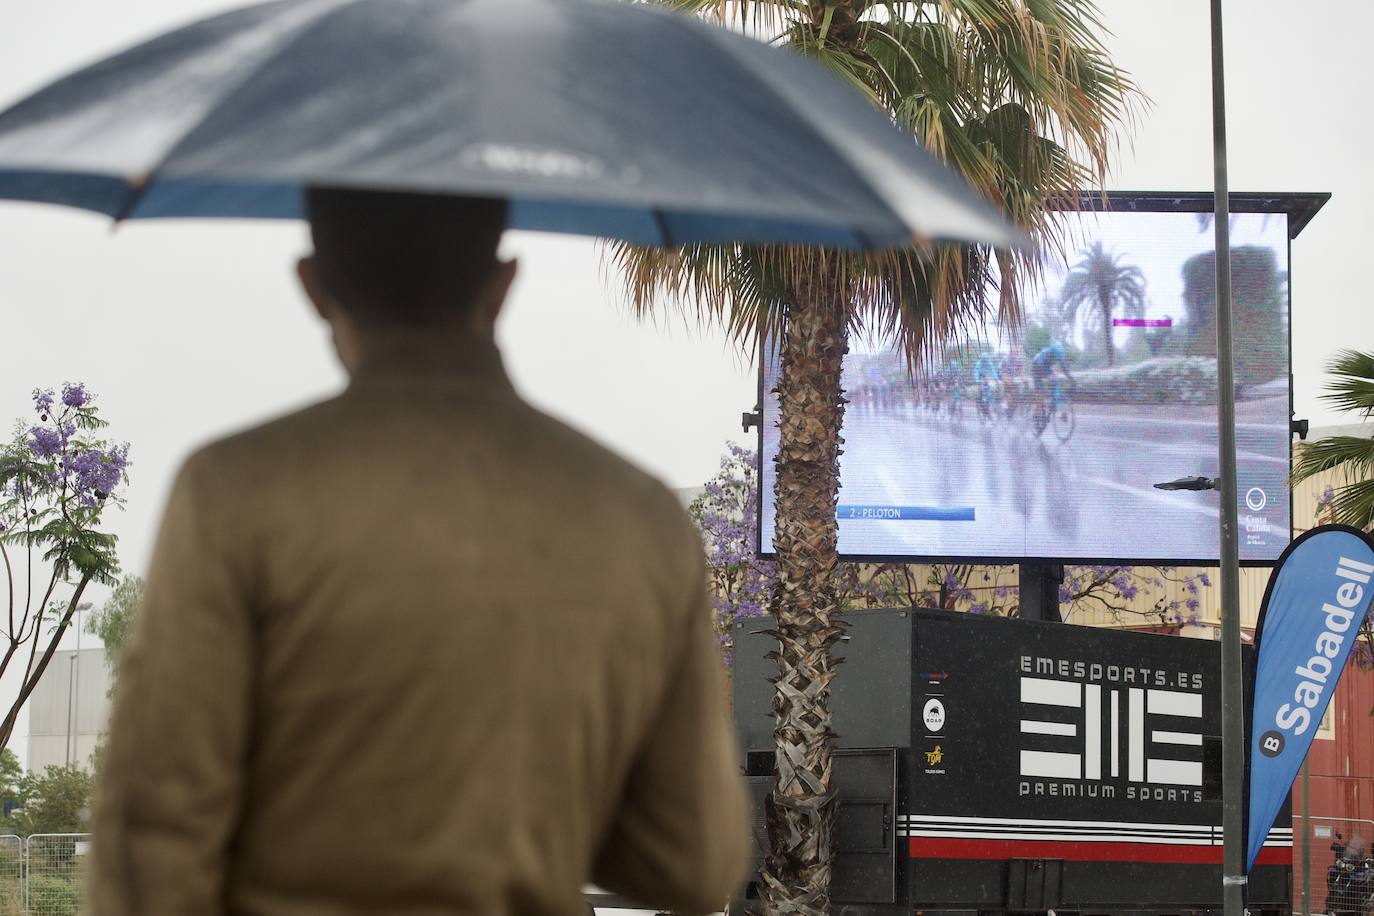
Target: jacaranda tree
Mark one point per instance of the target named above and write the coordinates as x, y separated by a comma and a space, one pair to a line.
57, 481
726, 514
742, 582
1018, 97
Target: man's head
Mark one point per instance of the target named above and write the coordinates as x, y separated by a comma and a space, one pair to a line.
397, 263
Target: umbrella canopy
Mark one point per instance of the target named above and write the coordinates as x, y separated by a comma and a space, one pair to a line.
592, 116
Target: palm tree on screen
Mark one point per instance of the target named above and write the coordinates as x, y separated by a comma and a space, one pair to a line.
1352, 388
1022, 100
1101, 284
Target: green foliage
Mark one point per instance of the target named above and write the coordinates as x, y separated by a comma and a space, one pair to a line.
1351, 389
1353, 386
53, 896
1162, 380
1258, 291
1038, 337
11, 893
55, 801
115, 619
11, 778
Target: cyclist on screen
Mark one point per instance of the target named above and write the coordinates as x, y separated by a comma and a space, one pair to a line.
1043, 365
1013, 372
952, 385
986, 375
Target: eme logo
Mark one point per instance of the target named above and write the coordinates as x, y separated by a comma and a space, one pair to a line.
1109, 735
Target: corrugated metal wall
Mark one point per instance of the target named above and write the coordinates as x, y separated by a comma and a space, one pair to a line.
68, 709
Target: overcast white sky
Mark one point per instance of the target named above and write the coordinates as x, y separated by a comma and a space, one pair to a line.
189, 330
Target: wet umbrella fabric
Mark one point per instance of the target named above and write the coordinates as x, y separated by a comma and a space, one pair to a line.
593, 116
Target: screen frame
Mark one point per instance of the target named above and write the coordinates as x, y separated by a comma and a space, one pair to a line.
1299, 208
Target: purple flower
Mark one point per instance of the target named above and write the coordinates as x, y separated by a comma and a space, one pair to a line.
42, 400
97, 473
45, 442
75, 395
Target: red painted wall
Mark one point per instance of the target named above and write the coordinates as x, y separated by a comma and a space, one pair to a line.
1342, 768
1342, 781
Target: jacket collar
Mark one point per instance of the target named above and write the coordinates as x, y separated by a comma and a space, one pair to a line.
422, 360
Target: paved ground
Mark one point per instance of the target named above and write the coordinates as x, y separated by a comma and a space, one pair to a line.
1090, 495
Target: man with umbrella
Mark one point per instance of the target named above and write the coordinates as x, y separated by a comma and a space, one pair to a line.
419, 649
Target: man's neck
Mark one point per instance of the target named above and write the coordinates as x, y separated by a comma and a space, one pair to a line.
443, 350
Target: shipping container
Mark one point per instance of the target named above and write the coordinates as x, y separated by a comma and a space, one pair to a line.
986, 765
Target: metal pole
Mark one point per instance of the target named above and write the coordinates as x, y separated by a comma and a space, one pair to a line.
1039, 590
76, 692
1232, 693
1306, 839
71, 672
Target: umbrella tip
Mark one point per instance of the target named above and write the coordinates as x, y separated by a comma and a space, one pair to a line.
137, 186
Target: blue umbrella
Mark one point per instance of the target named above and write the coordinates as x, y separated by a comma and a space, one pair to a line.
592, 116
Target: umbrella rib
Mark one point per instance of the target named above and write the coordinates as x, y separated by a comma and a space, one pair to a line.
141, 184
662, 225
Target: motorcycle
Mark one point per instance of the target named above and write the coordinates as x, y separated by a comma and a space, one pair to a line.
1350, 879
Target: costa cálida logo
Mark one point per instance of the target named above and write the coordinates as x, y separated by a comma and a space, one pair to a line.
1110, 731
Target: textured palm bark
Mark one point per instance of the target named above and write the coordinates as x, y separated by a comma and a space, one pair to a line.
800, 812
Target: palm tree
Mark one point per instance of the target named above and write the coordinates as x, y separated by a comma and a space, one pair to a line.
1100, 283
1352, 389
1021, 99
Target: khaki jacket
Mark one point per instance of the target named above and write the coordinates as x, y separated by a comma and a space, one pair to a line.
418, 649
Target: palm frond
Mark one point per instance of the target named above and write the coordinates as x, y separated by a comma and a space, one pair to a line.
1353, 454
1017, 96
765, 18
1353, 505
1353, 385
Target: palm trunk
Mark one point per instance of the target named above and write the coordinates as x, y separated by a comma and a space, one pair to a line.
1107, 333
800, 812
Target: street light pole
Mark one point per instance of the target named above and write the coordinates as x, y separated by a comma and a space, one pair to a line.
76, 692
71, 694
1232, 691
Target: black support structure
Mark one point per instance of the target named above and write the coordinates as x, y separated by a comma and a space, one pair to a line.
1040, 581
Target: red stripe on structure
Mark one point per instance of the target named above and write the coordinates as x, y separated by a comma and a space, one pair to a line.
965, 848
1275, 855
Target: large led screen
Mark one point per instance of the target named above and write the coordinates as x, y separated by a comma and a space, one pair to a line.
1046, 442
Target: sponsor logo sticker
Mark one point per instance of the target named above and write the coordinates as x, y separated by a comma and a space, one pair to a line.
933, 715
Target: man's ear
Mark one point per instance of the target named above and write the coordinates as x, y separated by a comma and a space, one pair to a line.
308, 271
494, 294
